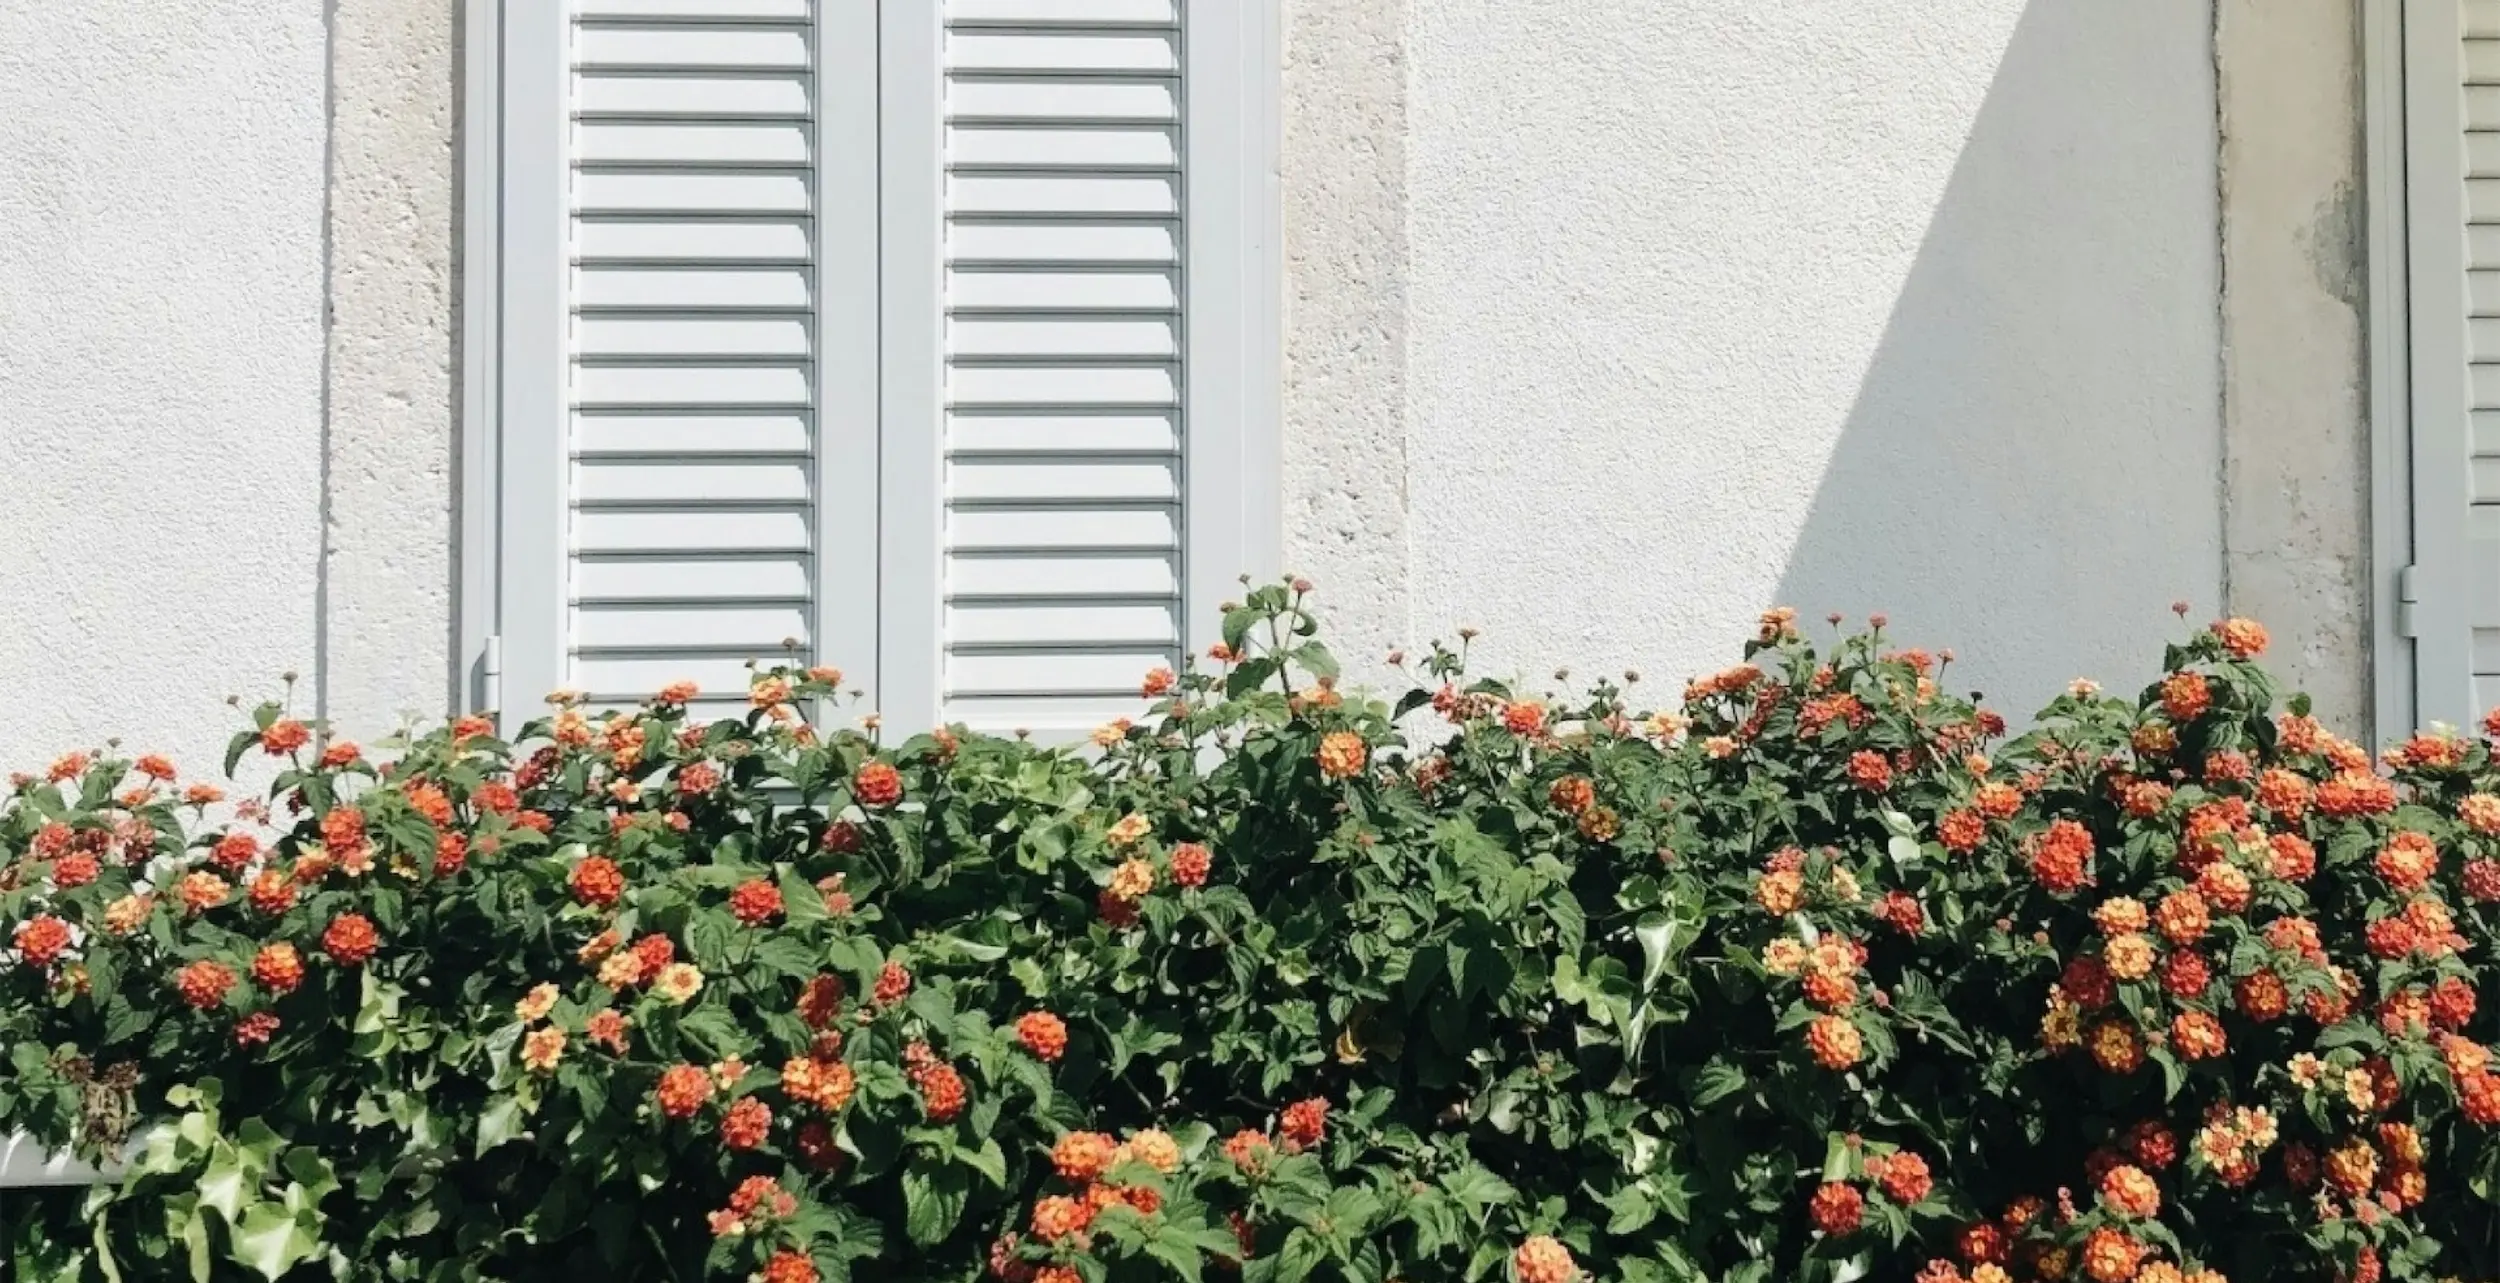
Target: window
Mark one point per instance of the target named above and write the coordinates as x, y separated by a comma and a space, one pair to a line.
932, 339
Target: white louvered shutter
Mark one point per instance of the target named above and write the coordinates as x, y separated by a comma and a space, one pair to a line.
2450, 593
665, 430
1065, 425
931, 337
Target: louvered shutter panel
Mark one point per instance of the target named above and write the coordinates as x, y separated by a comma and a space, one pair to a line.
1073, 266
2451, 591
667, 456
932, 337
1064, 424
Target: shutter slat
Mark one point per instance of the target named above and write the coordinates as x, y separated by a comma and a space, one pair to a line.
1097, 194
1006, 98
1104, 670
1130, 148
616, 386
1030, 576
657, 481
2483, 560
711, 240
692, 288
1061, 385
1016, 530
970, 289
705, 144
1009, 241
1074, 480
647, 191
725, 530
2482, 246
599, 45
656, 579
2486, 432
1124, 433
1089, 12
623, 676
2482, 107
783, 94
2482, 292
693, 335
788, 10
704, 621
784, 433
1070, 336
1115, 623
1088, 50
2482, 62
2486, 481
2482, 155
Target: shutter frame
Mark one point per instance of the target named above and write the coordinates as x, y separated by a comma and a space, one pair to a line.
912, 421
1233, 318
850, 346
2443, 660
533, 408
481, 282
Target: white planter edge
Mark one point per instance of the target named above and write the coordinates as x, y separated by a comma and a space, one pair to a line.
26, 1164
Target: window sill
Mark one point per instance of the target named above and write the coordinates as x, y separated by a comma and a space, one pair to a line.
26, 1164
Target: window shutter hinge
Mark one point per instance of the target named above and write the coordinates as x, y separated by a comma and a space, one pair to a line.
2408, 596
490, 676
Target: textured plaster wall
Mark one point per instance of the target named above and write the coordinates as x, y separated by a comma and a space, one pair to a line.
1345, 222
161, 193
390, 462
2296, 428
1702, 306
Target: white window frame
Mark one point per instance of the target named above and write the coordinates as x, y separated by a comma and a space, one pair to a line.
881, 355
2421, 634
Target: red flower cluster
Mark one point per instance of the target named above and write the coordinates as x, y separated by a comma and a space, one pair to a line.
350, 939
755, 902
598, 882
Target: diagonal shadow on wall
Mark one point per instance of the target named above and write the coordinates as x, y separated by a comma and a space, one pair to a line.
2031, 468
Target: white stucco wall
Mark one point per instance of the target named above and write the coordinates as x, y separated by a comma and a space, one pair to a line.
161, 293
1846, 305
1609, 324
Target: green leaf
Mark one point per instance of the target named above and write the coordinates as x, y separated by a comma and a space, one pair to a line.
1661, 939
933, 1201
715, 1031
1715, 1082
501, 1122
932, 1004
236, 747
1237, 622
1628, 1210
1180, 1258
222, 1183
989, 1160
272, 1242
802, 904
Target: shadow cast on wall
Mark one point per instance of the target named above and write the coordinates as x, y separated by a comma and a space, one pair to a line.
2031, 468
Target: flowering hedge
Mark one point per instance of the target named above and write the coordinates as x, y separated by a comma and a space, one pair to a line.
1810, 976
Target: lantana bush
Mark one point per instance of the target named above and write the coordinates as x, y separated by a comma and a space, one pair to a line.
1804, 972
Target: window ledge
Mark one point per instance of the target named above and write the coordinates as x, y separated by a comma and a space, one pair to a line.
26, 1164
